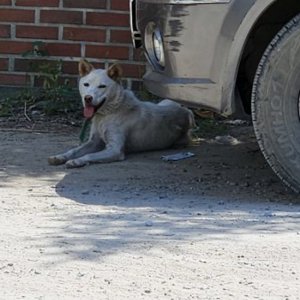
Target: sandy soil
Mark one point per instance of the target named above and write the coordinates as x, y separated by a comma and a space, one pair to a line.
219, 225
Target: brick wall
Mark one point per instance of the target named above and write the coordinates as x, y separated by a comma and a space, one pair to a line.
95, 29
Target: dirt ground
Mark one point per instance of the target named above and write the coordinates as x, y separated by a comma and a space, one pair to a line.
219, 225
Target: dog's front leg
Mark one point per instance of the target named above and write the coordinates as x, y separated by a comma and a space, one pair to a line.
104, 156
114, 151
93, 145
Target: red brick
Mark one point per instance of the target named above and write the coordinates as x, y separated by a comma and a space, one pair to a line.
16, 15
104, 52
98, 65
11, 47
30, 65
22, 65
53, 49
71, 67
13, 80
3, 64
61, 17
85, 3
120, 36
57, 49
120, 5
138, 55
43, 3
4, 31
134, 71
5, 2
37, 32
72, 82
84, 34
107, 19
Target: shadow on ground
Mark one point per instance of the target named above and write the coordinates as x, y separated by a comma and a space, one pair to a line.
223, 192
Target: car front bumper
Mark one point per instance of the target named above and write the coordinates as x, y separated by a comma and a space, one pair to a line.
193, 44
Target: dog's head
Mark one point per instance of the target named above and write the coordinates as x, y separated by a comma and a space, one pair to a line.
98, 87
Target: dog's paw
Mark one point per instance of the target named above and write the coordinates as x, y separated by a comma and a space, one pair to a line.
75, 163
56, 160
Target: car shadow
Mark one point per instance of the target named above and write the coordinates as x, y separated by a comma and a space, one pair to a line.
146, 201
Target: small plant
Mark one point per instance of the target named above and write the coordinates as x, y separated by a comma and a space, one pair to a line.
48, 71
13, 105
54, 97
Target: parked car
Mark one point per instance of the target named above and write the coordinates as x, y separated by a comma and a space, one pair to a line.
226, 54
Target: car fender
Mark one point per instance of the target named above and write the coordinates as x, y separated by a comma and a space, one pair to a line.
237, 47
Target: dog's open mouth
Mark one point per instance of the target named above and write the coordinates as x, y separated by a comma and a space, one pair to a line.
90, 110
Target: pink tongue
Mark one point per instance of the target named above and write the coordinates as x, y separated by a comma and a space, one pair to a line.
88, 112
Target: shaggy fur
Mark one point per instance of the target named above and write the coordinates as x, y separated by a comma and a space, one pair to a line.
121, 123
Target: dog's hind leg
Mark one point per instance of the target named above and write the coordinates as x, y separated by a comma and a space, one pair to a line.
183, 141
88, 147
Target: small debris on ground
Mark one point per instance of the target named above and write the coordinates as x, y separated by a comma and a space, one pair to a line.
236, 122
227, 140
177, 156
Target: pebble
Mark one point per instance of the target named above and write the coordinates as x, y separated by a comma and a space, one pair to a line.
227, 140
149, 223
268, 214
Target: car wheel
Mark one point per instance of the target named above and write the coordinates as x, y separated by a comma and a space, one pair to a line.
276, 104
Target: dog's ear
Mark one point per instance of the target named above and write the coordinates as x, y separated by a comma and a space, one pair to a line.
115, 72
84, 67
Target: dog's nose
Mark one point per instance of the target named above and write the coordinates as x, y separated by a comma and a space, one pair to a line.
88, 99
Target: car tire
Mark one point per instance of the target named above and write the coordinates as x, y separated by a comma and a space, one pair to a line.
276, 104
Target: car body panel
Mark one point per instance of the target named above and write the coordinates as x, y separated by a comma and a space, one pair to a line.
203, 42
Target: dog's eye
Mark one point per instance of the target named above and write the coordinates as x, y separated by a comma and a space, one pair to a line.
86, 84
102, 86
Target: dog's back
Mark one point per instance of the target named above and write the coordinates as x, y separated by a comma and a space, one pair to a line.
156, 126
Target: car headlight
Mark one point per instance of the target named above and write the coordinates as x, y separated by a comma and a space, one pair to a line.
154, 46
158, 47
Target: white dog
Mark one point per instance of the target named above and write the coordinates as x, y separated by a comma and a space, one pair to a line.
120, 122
